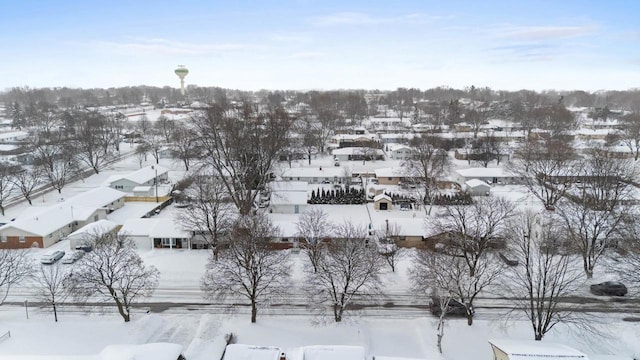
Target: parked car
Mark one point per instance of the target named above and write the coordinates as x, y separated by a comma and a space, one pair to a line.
454, 308
52, 257
610, 288
72, 257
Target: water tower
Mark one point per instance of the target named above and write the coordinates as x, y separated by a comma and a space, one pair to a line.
181, 71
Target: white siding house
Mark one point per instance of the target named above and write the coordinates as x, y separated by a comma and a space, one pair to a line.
144, 177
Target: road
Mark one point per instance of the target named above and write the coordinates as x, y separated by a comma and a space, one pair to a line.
181, 300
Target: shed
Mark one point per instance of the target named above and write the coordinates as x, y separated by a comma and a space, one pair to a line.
509, 349
477, 187
382, 202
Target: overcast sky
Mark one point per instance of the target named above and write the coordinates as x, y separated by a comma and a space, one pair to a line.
323, 44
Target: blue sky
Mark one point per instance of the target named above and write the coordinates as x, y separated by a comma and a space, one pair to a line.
312, 44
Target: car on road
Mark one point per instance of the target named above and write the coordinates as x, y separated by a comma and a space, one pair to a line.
454, 308
52, 257
72, 257
610, 288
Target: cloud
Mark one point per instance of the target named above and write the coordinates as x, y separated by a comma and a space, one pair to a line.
169, 47
526, 52
307, 55
290, 38
539, 33
358, 18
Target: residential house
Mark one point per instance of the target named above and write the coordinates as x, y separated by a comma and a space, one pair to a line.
146, 176
488, 175
148, 233
317, 175
86, 234
400, 152
477, 187
510, 349
358, 153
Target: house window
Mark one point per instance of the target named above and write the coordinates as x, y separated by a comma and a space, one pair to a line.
168, 242
95, 218
390, 179
22, 239
4, 238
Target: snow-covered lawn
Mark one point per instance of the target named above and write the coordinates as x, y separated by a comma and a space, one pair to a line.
202, 335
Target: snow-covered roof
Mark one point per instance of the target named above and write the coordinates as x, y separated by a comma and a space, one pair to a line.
251, 352
341, 352
152, 351
483, 172
288, 197
356, 151
51, 218
288, 185
536, 350
13, 134
98, 197
143, 175
137, 227
381, 197
328, 172
475, 183
391, 172
394, 147
99, 227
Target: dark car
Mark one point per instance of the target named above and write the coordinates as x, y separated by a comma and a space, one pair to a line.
454, 308
610, 288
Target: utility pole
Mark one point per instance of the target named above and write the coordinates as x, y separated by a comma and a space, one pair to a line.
156, 182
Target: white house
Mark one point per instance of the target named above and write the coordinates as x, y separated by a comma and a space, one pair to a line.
148, 233
87, 233
509, 349
146, 176
288, 202
400, 152
358, 153
45, 227
102, 197
316, 175
488, 175
477, 187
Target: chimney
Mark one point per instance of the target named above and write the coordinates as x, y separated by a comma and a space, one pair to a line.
283, 356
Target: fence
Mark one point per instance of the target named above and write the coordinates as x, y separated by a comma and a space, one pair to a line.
5, 336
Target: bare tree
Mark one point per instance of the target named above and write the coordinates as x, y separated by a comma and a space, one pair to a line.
184, 144
15, 266
243, 151
446, 273
247, 267
52, 291
542, 277
92, 139
314, 228
114, 271
631, 133
427, 167
349, 270
209, 210
548, 169
473, 230
443, 304
387, 238
155, 142
142, 150
593, 215
27, 181
7, 184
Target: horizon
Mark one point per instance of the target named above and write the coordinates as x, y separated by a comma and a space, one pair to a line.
304, 45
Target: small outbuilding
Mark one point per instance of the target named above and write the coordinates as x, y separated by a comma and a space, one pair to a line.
382, 202
477, 187
509, 349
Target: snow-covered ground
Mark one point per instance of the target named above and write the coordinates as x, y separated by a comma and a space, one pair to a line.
201, 335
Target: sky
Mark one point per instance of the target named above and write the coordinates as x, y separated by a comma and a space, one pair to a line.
322, 44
